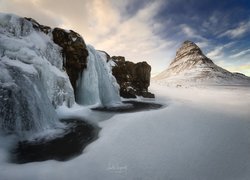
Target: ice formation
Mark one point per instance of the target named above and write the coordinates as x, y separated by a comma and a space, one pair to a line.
32, 80
96, 85
24, 104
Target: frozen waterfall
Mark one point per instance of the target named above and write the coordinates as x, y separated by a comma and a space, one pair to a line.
24, 104
32, 79
96, 85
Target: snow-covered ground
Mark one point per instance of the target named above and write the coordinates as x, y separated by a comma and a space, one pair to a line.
200, 134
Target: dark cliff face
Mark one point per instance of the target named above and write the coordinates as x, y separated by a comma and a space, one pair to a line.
134, 79
74, 49
74, 52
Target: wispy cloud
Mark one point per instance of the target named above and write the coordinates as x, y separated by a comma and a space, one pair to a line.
237, 32
218, 51
203, 44
241, 53
190, 32
240, 68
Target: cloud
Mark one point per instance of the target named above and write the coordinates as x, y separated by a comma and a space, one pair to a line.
237, 32
135, 34
29, 8
102, 24
218, 51
189, 32
203, 44
241, 53
245, 69
232, 67
135, 39
137, 29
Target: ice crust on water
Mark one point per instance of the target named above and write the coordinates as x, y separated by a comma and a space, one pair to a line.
32, 80
96, 85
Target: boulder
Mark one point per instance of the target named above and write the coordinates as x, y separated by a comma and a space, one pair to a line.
133, 78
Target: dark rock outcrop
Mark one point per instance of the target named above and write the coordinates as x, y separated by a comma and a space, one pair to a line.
134, 79
74, 52
74, 49
39, 27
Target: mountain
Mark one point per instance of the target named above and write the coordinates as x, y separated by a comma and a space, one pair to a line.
192, 67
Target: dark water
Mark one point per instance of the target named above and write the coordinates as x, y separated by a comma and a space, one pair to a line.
70, 144
72, 141
136, 106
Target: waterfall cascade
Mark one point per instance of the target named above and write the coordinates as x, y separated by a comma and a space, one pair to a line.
96, 85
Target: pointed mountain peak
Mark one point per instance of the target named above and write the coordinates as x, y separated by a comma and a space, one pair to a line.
189, 51
188, 47
187, 42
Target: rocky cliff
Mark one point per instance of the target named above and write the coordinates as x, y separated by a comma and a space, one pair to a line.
134, 79
192, 67
74, 49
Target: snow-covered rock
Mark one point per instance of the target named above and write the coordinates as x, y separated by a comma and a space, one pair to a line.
32, 79
192, 67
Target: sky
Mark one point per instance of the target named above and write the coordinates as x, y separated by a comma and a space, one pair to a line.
151, 30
